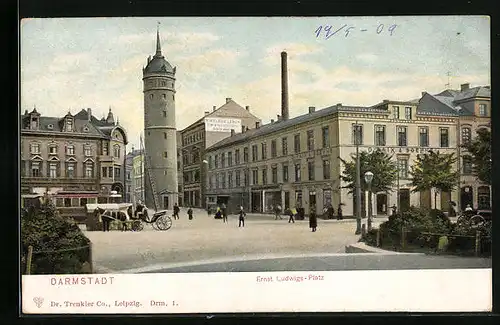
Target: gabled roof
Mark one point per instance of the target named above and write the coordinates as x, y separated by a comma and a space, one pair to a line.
480, 91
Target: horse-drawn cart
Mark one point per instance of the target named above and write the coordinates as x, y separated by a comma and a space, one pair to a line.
122, 213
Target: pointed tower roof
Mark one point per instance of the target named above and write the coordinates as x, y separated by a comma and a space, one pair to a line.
158, 64
110, 118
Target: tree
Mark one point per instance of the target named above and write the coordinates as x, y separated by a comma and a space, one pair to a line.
382, 166
434, 170
480, 150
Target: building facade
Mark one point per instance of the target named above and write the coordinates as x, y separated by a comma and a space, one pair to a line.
159, 129
76, 158
129, 179
180, 178
211, 128
295, 162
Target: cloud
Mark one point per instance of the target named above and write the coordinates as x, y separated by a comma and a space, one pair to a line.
209, 61
367, 57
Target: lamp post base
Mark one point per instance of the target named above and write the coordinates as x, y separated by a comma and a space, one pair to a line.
358, 227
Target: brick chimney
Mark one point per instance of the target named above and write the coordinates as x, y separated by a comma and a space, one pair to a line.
464, 87
284, 86
228, 99
89, 114
312, 109
339, 105
257, 125
207, 112
278, 117
247, 108
214, 108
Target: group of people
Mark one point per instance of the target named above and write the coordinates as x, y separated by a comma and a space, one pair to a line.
221, 212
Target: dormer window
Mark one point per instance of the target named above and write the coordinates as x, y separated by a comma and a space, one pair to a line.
53, 149
70, 150
34, 123
116, 151
482, 110
35, 148
50, 126
69, 125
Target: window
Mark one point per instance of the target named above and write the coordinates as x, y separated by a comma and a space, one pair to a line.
217, 180
296, 143
238, 178
443, 137
310, 140
466, 135
70, 170
237, 156
210, 162
35, 148
264, 151
403, 168
53, 150
105, 149
196, 175
230, 179
467, 165
245, 154
273, 149
395, 110
89, 169
284, 146
325, 135
326, 169
264, 176
482, 110
70, 150
104, 171
223, 160
255, 177
164, 96
357, 134
69, 125
423, 139
254, 152
230, 159
53, 170
151, 96
246, 178
310, 170
67, 202
110, 171
297, 172
35, 169
285, 173
402, 136
164, 113
408, 113
165, 154
118, 172
87, 151
216, 161
380, 135
164, 135
274, 174
116, 151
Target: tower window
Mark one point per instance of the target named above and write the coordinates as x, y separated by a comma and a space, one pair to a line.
151, 96
164, 113
173, 96
164, 96
164, 135
165, 154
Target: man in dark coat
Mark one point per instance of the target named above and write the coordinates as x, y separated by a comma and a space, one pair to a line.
313, 219
190, 213
176, 211
290, 213
224, 212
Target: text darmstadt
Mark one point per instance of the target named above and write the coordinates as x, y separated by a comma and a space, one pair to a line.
81, 280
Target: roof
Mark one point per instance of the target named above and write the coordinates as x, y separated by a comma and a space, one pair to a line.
480, 91
283, 124
158, 65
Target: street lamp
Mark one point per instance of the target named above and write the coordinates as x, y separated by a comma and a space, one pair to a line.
459, 199
205, 174
368, 180
357, 142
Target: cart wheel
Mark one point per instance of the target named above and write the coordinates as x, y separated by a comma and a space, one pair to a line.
164, 223
154, 225
137, 225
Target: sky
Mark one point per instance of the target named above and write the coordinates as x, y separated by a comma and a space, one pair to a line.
68, 64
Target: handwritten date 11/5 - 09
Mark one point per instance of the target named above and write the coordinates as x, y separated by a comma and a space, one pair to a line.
329, 30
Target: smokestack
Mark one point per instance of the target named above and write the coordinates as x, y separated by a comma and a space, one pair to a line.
284, 86
464, 87
89, 114
312, 109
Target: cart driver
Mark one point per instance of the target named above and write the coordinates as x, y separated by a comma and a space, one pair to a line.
138, 208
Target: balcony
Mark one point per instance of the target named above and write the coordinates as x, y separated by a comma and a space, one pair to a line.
102, 158
58, 180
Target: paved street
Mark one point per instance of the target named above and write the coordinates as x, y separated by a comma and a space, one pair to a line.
206, 238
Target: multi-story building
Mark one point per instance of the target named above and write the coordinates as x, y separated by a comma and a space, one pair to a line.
138, 178
129, 179
180, 178
230, 118
77, 158
295, 162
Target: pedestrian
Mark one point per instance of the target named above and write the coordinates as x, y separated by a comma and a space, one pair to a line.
277, 212
190, 213
176, 211
242, 215
224, 212
394, 209
468, 208
291, 213
106, 221
339, 212
313, 219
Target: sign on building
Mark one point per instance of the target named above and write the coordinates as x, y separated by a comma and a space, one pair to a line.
222, 124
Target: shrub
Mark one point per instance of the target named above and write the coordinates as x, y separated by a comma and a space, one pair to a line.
45, 230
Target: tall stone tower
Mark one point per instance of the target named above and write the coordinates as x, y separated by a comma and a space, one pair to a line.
159, 129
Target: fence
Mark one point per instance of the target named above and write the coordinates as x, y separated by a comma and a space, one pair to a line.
70, 260
405, 240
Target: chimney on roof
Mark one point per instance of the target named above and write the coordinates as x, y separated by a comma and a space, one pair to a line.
272, 121
312, 109
242, 129
26, 112
228, 99
339, 105
257, 125
423, 93
385, 101
464, 87
232, 132
207, 112
278, 117
284, 86
214, 108
89, 114
247, 108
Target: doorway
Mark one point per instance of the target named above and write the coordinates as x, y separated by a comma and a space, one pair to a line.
466, 197
256, 201
165, 203
381, 203
483, 198
404, 200
287, 200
